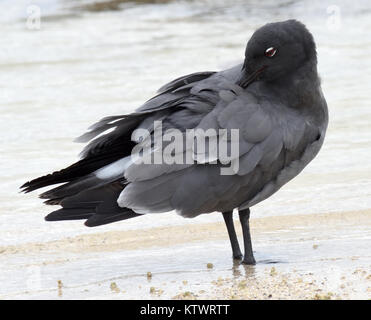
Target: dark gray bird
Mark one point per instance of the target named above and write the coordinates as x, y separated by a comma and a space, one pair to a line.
273, 99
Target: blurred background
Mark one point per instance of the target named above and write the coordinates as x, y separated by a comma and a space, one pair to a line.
64, 64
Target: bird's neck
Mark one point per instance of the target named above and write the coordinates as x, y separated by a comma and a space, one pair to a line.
302, 91
299, 89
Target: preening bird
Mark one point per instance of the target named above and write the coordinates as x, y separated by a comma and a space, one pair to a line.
274, 101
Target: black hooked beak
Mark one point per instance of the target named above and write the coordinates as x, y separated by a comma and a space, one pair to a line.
246, 78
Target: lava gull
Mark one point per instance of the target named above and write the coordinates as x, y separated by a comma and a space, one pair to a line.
207, 142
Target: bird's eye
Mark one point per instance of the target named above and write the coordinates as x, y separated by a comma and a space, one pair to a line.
270, 52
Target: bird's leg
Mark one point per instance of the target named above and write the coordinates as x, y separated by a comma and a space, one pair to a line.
244, 219
228, 219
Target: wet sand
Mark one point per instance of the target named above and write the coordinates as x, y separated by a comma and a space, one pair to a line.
325, 224
315, 256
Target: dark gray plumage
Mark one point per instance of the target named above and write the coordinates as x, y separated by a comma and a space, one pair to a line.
275, 101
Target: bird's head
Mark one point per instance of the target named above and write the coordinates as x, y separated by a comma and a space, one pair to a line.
277, 50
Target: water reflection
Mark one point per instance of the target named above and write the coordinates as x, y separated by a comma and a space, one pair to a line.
248, 270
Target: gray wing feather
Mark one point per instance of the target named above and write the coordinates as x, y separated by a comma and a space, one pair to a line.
123, 125
184, 80
269, 142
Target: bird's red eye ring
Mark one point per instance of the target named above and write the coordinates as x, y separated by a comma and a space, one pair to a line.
270, 52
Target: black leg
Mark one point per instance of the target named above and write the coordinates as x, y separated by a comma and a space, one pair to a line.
228, 218
244, 219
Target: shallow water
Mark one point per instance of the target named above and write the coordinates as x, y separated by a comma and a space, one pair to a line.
85, 63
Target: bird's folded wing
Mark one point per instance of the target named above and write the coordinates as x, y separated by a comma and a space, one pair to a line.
110, 138
262, 131
271, 137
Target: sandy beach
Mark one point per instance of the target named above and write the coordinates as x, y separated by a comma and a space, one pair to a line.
298, 257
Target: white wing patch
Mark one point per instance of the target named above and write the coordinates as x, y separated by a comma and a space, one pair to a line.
115, 169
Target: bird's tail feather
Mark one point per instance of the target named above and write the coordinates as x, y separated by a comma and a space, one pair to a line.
98, 206
87, 194
73, 172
